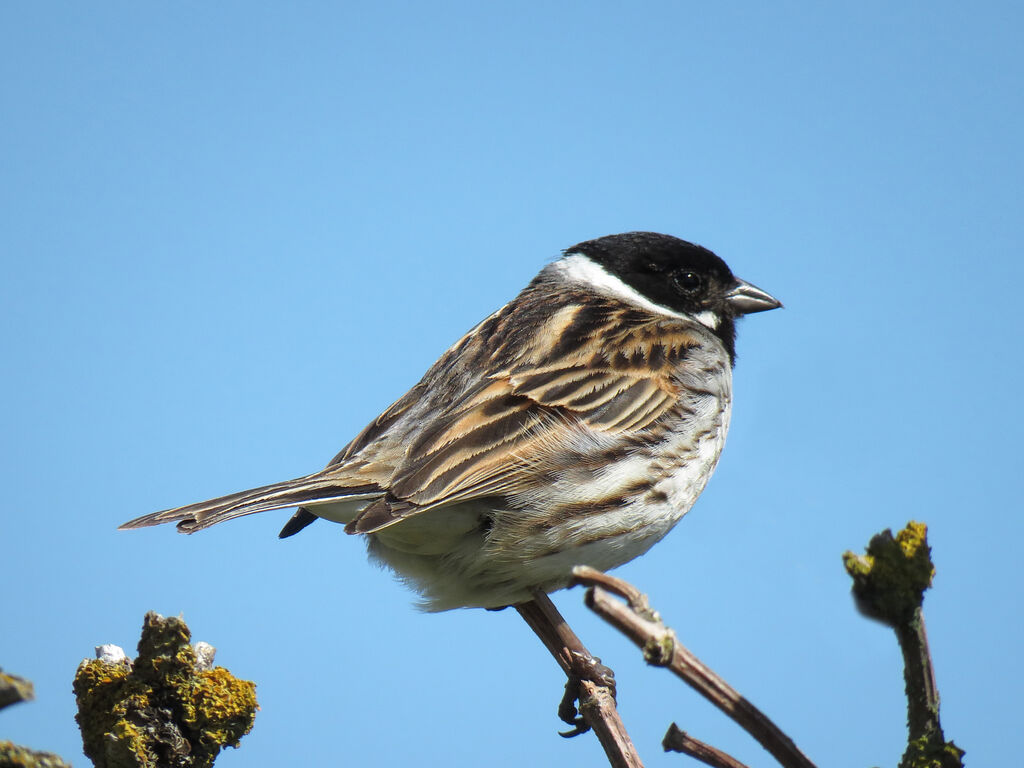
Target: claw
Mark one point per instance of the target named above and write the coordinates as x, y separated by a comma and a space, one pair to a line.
567, 711
580, 727
579, 665
585, 667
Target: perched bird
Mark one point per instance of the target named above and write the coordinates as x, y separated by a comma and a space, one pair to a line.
574, 426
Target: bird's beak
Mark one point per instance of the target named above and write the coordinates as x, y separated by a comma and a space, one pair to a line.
745, 298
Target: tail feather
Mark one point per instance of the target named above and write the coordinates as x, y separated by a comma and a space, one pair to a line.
317, 488
297, 522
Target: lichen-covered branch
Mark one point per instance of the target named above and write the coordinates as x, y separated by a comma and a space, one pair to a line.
170, 708
12, 690
889, 582
13, 756
643, 626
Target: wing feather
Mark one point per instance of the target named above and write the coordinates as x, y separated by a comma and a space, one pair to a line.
486, 443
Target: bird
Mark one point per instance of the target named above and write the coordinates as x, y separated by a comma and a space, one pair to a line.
576, 425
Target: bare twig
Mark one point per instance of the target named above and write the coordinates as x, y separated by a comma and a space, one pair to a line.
919, 677
597, 707
589, 682
679, 741
661, 648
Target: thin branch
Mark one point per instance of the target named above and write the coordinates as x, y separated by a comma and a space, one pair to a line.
680, 741
661, 648
551, 628
597, 707
589, 682
919, 678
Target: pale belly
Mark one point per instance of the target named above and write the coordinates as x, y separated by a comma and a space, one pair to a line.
496, 552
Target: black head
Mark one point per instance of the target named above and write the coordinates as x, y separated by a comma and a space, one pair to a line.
680, 276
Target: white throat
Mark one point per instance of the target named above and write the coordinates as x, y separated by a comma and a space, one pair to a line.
577, 268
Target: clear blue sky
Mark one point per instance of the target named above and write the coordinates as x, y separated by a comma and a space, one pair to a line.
234, 232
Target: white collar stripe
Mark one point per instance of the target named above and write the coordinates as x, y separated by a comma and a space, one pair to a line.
577, 268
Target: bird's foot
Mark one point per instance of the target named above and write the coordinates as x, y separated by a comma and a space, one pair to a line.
585, 667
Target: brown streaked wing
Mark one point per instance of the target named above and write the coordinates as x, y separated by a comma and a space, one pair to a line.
371, 473
483, 446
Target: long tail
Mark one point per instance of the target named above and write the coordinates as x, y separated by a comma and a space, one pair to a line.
320, 487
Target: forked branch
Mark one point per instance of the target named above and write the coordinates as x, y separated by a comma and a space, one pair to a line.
589, 682
635, 619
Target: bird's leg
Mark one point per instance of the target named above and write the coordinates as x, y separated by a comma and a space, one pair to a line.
572, 656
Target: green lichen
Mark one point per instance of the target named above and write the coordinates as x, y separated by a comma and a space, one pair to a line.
889, 582
890, 579
928, 752
14, 689
161, 710
109, 697
658, 651
13, 756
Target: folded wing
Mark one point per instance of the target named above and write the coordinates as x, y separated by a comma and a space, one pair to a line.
488, 443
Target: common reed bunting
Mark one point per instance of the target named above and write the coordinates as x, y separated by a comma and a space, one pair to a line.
576, 425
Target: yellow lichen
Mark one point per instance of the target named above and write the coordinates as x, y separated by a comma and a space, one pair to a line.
890, 579
931, 753
161, 709
14, 756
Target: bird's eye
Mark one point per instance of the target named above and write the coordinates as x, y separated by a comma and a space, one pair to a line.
688, 282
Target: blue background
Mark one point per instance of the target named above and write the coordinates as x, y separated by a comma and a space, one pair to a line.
234, 232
